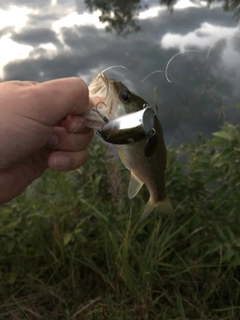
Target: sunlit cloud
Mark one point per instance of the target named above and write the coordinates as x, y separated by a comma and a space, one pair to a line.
207, 37
49, 51
179, 5
11, 51
183, 4
17, 18
14, 17
150, 13
201, 38
75, 19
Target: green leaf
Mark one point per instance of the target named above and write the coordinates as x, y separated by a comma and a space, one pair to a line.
231, 235
236, 262
220, 234
228, 254
67, 238
11, 277
80, 237
215, 157
98, 214
4, 214
223, 134
12, 224
213, 247
10, 245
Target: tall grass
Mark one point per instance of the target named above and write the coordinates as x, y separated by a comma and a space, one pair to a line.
67, 250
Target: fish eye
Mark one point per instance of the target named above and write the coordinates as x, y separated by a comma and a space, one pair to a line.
124, 96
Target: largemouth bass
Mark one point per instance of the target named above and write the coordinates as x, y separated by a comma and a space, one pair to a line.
113, 99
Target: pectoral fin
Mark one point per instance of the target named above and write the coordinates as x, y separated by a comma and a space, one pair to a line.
134, 186
123, 158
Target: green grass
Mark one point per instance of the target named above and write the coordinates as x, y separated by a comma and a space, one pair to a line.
67, 250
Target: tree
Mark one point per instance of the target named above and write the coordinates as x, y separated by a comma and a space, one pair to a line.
121, 15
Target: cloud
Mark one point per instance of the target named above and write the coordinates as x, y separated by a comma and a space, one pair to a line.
201, 38
150, 13
35, 36
22, 52
25, 3
75, 19
14, 16
67, 41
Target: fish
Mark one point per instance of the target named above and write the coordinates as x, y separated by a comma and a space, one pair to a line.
112, 100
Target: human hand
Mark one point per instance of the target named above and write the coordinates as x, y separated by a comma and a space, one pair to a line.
40, 129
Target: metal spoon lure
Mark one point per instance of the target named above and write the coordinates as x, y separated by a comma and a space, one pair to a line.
129, 128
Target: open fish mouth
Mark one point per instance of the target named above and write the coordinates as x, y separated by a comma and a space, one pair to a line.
99, 87
100, 93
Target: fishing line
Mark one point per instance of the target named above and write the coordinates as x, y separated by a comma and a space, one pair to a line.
212, 45
116, 66
189, 108
95, 109
177, 54
151, 73
167, 66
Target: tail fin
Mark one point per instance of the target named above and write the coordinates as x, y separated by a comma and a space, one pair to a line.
162, 208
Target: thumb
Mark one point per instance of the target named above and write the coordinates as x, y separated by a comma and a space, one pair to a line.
53, 100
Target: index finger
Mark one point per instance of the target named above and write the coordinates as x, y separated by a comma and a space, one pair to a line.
51, 101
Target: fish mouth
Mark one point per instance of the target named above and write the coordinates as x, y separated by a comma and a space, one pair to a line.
101, 93
99, 86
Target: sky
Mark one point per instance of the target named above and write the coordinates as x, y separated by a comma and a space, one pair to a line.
48, 39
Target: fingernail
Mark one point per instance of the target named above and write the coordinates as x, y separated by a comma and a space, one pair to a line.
53, 141
61, 161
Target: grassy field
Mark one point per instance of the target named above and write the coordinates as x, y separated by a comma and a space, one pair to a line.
67, 250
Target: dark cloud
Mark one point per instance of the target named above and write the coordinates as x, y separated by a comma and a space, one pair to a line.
35, 36
35, 19
200, 94
87, 52
80, 5
236, 42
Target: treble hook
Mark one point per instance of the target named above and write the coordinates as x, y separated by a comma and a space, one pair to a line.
104, 118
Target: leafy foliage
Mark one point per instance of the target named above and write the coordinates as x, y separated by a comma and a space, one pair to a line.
121, 15
67, 250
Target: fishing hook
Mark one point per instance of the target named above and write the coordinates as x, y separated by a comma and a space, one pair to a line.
104, 118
